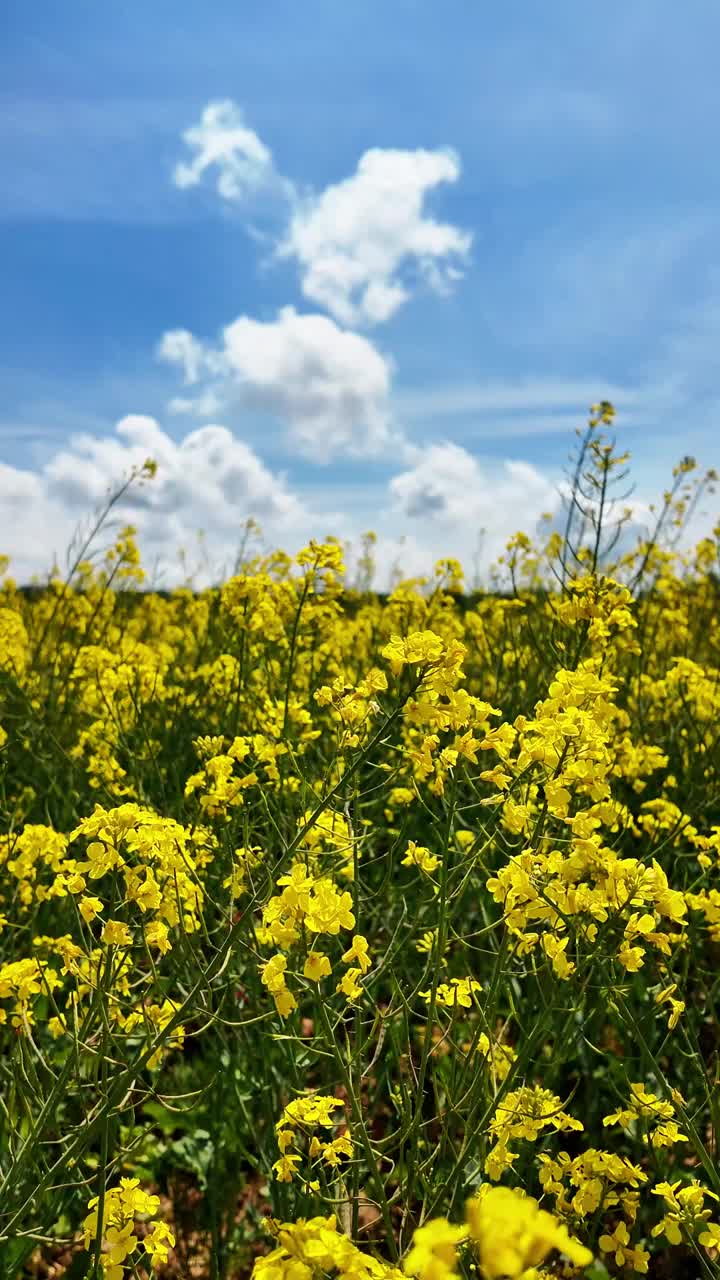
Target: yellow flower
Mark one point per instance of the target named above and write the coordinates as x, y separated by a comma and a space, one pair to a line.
433, 1255
619, 1244
89, 908
418, 647
555, 949
418, 856
115, 933
456, 992
329, 911
710, 1237
156, 935
358, 952
332, 1151
285, 1002
284, 1168
511, 1233
316, 966
349, 985
272, 973
311, 1109
426, 941
120, 1242
158, 1242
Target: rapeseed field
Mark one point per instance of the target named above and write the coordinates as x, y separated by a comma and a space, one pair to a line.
360, 936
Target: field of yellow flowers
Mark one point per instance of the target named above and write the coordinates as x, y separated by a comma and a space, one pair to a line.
361, 936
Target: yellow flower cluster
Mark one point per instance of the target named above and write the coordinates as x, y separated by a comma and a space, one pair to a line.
314, 1247
505, 1232
513, 1235
116, 1232
685, 1216
645, 1105
303, 1116
524, 1113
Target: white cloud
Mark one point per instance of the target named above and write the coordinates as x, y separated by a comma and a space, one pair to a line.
209, 473
448, 485
209, 480
178, 346
452, 504
330, 387
212, 481
35, 528
352, 239
495, 396
452, 501
357, 242
19, 489
243, 164
206, 405
447, 503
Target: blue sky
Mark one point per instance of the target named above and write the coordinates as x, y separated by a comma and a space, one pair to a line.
584, 184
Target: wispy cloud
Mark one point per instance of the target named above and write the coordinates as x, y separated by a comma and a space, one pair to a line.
549, 107
222, 145
471, 399
603, 278
86, 159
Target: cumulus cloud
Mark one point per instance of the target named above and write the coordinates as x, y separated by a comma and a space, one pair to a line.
451, 503
454, 500
210, 471
353, 240
361, 243
448, 485
446, 503
329, 386
19, 489
241, 163
210, 480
